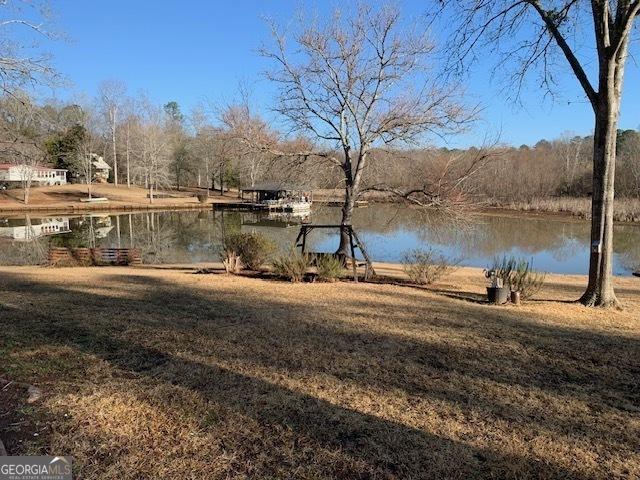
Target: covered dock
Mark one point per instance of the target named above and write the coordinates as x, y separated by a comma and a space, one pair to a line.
279, 197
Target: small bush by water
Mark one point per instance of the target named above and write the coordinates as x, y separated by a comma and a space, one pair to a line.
425, 266
254, 249
293, 266
329, 268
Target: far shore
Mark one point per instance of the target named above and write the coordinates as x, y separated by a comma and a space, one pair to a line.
68, 199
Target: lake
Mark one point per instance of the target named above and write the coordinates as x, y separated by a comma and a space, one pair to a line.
556, 244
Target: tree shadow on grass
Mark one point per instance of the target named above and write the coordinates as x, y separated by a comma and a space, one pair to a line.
295, 339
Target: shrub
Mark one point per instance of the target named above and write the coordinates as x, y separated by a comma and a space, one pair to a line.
293, 266
502, 269
425, 266
329, 268
232, 262
518, 274
526, 280
254, 249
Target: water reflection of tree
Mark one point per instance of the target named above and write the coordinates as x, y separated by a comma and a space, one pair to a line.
154, 236
172, 237
480, 235
627, 246
32, 250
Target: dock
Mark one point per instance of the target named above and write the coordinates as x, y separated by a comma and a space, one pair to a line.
266, 207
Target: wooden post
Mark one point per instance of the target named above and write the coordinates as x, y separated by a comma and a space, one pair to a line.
353, 253
304, 240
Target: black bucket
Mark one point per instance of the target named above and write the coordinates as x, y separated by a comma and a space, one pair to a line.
498, 295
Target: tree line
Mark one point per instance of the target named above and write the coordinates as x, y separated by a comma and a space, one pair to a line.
158, 146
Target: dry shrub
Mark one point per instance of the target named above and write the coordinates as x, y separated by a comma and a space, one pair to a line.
329, 268
526, 280
253, 248
232, 262
425, 266
293, 266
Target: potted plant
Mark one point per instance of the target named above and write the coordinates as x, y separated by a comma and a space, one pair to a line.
497, 292
512, 279
499, 275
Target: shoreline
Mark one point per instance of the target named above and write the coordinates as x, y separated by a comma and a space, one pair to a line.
65, 199
107, 207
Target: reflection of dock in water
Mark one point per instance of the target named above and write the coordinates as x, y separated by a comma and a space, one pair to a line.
26, 230
274, 220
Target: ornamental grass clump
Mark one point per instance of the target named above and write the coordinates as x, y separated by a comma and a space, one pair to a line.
426, 266
526, 280
329, 268
293, 266
252, 249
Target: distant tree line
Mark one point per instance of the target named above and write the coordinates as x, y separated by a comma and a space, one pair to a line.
553, 168
161, 147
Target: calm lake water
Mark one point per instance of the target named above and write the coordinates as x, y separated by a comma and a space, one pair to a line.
556, 244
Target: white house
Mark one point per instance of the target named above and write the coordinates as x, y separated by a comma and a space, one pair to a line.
21, 231
100, 169
10, 173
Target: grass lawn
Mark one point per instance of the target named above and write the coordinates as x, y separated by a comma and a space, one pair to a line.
160, 373
70, 196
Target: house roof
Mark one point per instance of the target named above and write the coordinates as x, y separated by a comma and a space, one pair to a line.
100, 164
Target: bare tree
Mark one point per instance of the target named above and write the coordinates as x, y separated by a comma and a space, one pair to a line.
151, 148
129, 114
357, 81
88, 146
21, 62
21, 138
529, 33
251, 163
111, 94
628, 175
202, 148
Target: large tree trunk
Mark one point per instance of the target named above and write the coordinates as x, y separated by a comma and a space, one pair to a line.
352, 190
600, 291
347, 216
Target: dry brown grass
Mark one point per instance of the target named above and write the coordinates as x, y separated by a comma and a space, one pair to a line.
625, 209
153, 373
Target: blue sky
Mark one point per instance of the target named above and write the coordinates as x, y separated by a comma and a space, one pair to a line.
190, 50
